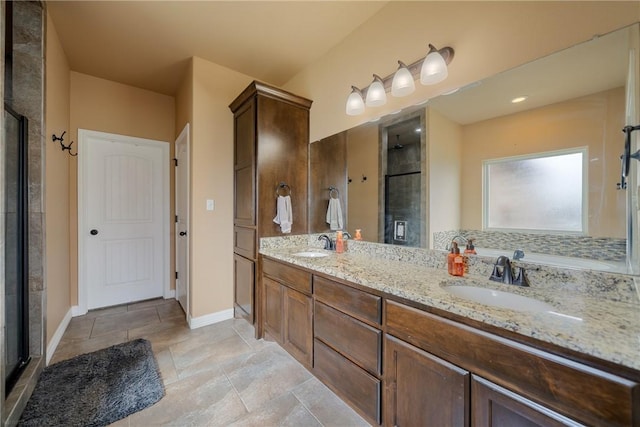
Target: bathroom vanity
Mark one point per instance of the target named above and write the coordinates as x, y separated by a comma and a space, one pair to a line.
382, 331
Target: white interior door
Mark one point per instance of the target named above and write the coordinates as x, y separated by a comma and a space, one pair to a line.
182, 218
123, 219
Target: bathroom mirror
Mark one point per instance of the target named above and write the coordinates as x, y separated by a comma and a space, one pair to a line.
575, 99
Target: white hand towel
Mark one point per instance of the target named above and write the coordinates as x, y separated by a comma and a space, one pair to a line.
284, 213
334, 214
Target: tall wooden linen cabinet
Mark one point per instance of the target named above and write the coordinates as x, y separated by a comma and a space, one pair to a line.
271, 152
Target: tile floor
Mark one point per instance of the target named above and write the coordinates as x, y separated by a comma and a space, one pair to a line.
218, 375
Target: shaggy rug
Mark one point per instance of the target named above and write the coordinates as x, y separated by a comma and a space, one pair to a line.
96, 389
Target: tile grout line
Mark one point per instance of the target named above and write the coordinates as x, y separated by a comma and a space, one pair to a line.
302, 403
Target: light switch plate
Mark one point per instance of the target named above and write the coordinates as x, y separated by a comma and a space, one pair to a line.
210, 204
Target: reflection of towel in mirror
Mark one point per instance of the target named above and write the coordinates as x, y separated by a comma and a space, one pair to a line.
334, 214
284, 214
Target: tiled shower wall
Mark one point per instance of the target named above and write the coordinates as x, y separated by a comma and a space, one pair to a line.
28, 99
599, 248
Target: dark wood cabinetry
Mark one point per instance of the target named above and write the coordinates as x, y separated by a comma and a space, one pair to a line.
495, 406
348, 344
288, 309
271, 146
404, 366
580, 393
422, 389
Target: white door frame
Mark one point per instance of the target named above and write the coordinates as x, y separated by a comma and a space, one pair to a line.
83, 136
184, 138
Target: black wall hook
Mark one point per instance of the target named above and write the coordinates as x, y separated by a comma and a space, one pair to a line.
64, 147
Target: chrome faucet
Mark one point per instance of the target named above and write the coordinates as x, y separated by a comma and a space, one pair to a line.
328, 244
502, 271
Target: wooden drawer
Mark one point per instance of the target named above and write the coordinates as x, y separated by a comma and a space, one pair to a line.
290, 276
349, 300
587, 394
353, 384
352, 338
244, 242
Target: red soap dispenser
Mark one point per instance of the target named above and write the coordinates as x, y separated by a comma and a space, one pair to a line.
455, 261
339, 242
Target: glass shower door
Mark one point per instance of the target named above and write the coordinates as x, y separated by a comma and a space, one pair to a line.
16, 247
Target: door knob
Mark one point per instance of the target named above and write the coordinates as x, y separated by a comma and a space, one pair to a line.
93, 232
183, 233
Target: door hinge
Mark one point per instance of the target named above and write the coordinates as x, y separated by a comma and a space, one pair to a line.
176, 218
176, 274
176, 162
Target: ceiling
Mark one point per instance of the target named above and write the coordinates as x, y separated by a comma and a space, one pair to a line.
147, 44
594, 66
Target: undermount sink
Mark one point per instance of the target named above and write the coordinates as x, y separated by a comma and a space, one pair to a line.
499, 299
310, 254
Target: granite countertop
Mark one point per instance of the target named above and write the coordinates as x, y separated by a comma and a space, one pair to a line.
582, 321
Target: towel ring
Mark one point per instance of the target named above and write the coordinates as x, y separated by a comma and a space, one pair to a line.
283, 188
334, 193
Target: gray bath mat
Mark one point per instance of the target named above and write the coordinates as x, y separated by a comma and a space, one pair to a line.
96, 389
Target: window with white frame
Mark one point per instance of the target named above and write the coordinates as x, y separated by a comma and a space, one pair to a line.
542, 192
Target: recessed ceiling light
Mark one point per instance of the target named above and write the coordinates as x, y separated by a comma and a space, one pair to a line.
518, 99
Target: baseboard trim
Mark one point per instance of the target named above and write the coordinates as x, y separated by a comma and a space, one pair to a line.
171, 293
77, 311
57, 336
209, 319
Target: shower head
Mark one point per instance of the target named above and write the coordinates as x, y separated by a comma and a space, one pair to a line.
398, 146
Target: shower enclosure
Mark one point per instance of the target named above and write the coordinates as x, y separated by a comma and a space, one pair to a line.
403, 164
16, 246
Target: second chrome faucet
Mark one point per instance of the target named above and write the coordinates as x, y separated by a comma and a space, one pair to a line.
503, 272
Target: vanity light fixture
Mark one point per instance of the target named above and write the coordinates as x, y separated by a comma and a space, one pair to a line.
355, 103
376, 95
433, 69
402, 84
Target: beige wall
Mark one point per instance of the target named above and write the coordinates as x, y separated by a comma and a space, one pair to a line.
214, 88
56, 197
106, 106
488, 37
362, 159
445, 150
594, 121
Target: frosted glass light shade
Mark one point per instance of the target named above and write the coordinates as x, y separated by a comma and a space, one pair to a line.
434, 68
355, 103
402, 84
376, 94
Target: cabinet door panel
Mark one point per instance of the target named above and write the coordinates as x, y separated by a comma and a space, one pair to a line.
244, 241
244, 283
273, 300
298, 326
421, 389
494, 406
293, 277
358, 341
354, 302
353, 384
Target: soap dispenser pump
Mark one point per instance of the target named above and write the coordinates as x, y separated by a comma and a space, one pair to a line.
470, 249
